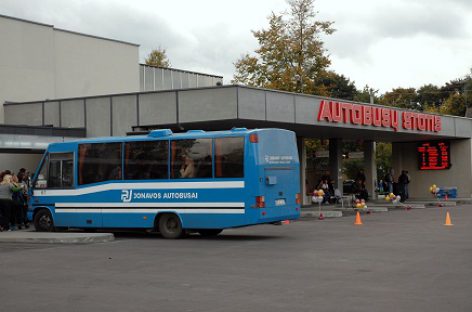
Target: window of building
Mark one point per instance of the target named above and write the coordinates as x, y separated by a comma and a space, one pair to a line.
61, 170
99, 162
191, 159
146, 160
229, 158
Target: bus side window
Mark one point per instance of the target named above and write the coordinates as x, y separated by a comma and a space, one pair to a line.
146, 160
191, 159
99, 162
229, 157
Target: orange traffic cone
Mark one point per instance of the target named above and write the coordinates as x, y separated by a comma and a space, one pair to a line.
285, 222
448, 219
358, 219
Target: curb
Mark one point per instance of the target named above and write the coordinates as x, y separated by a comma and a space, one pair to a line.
326, 214
55, 238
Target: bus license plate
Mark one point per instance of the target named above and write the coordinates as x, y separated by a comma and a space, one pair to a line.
280, 202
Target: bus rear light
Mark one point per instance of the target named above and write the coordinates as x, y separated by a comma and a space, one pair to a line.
298, 198
260, 201
253, 138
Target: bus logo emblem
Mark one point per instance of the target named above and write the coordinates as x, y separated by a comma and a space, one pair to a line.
126, 195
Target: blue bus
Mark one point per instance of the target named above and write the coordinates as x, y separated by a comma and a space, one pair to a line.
178, 183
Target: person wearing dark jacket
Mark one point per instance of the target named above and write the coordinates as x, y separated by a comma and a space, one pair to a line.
403, 181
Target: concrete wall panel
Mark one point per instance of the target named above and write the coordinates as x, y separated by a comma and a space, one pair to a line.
207, 104
159, 79
463, 127
157, 108
86, 65
280, 107
98, 117
176, 80
305, 110
124, 115
167, 85
72, 113
26, 62
51, 113
251, 104
192, 81
404, 157
149, 79
25, 114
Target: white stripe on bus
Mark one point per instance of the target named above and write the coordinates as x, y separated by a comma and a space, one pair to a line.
152, 210
151, 205
141, 186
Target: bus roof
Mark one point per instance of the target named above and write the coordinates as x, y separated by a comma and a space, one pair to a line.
165, 134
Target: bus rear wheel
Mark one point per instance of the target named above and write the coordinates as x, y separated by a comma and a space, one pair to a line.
170, 226
209, 232
43, 221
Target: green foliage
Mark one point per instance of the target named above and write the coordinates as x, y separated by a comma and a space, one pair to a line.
454, 105
351, 167
364, 95
337, 86
157, 57
383, 159
430, 96
401, 97
291, 55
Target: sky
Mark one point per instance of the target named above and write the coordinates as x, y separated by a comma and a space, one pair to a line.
381, 43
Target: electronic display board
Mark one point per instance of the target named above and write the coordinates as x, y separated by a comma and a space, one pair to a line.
434, 155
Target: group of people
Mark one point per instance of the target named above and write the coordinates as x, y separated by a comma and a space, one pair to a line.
14, 199
401, 186
326, 184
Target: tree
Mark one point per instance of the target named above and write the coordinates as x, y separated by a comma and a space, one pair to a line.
337, 86
157, 57
364, 95
454, 105
401, 97
291, 55
430, 95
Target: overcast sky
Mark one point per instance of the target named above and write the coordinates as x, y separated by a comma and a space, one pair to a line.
382, 43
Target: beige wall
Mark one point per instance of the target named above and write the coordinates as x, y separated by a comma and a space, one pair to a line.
26, 62
460, 174
90, 66
40, 62
14, 162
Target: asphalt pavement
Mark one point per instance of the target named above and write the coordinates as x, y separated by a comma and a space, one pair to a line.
404, 260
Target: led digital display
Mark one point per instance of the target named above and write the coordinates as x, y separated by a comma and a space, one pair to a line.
434, 155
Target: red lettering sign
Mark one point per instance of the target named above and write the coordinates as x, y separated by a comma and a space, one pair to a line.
367, 115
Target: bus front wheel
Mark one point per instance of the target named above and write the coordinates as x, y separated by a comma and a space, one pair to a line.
170, 226
209, 232
43, 221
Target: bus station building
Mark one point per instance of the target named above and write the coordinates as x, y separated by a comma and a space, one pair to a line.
59, 84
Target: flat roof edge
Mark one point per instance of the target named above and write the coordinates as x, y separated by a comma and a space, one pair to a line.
96, 37
181, 70
42, 130
25, 20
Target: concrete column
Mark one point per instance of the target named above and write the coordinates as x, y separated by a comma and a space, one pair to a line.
336, 162
302, 156
370, 166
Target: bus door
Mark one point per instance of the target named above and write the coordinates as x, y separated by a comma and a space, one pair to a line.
60, 190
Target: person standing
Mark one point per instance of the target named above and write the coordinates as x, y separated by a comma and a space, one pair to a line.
6, 202
403, 181
389, 181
